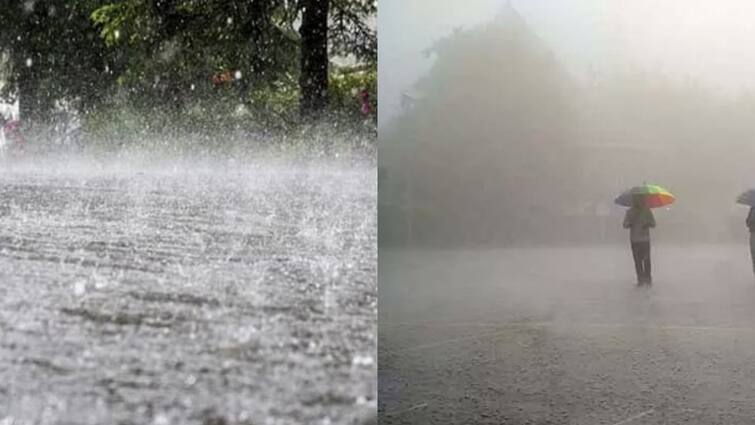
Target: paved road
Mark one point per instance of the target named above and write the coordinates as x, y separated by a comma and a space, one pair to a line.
563, 336
187, 293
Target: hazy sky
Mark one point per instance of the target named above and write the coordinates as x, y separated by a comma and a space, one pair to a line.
709, 40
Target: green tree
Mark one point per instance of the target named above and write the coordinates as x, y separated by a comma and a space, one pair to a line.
489, 138
53, 53
161, 55
256, 37
313, 79
342, 25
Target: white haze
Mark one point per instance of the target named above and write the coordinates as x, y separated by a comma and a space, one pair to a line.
529, 313
704, 40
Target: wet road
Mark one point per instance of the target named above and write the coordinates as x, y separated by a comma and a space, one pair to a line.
563, 336
187, 294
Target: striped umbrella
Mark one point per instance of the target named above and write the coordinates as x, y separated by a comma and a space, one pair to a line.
653, 196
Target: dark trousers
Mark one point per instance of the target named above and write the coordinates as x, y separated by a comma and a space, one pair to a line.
641, 254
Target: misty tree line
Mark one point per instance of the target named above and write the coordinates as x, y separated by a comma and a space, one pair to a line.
201, 60
504, 146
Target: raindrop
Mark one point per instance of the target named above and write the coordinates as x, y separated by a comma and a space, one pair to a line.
229, 21
29, 62
237, 75
362, 361
79, 288
161, 419
100, 283
192, 87
117, 34
191, 380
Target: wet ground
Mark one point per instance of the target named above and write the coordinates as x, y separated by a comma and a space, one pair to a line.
564, 336
187, 293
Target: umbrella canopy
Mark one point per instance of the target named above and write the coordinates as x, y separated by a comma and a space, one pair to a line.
653, 196
747, 198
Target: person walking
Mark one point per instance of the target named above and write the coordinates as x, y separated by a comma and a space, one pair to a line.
639, 220
751, 225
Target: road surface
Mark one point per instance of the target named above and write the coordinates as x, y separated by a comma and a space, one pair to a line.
564, 336
187, 293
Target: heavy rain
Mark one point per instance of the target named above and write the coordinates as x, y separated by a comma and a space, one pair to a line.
508, 287
188, 227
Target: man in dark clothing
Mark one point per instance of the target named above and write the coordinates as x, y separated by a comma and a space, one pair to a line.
751, 225
639, 220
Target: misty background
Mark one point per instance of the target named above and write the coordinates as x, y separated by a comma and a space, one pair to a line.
519, 122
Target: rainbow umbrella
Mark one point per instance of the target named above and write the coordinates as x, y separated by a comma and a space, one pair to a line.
654, 196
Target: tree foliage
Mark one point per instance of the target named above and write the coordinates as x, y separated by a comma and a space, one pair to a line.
487, 139
54, 53
169, 55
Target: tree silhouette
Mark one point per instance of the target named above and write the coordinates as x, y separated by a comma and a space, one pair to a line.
483, 150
